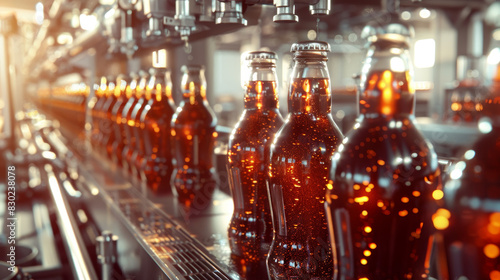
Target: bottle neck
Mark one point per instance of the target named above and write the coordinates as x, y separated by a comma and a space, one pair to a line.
194, 88
310, 87
159, 87
261, 88
386, 88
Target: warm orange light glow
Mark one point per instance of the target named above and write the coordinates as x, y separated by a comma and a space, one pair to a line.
495, 219
491, 251
364, 213
405, 199
403, 213
495, 275
437, 194
380, 162
493, 229
356, 187
440, 222
361, 199
416, 193
380, 204
363, 261
306, 86
367, 253
329, 186
387, 92
364, 278
368, 229
372, 246
215, 134
456, 107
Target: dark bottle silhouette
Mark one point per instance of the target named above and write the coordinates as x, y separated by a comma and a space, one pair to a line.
130, 115
250, 230
470, 218
299, 168
380, 202
125, 116
156, 165
118, 141
193, 138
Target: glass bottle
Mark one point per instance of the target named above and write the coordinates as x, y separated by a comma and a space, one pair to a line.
128, 151
299, 168
116, 144
385, 173
470, 218
96, 106
125, 116
250, 230
193, 139
107, 110
156, 165
144, 90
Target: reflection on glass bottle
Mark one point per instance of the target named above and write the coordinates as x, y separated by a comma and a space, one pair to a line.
193, 138
129, 116
155, 166
385, 174
456, 107
299, 168
96, 106
250, 229
125, 117
115, 146
135, 156
470, 218
107, 111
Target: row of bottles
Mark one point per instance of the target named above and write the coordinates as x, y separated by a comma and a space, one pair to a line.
136, 125
370, 205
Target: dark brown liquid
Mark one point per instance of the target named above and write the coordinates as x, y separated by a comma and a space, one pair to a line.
250, 230
380, 203
156, 167
193, 138
470, 222
300, 164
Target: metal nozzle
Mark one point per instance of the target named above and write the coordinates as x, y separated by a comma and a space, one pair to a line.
107, 253
231, 12
285, 11
185, 21
322, 8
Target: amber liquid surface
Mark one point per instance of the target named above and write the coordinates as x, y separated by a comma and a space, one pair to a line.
472, 195
250, 230
380, 203
300, 164
156, 167
193, 140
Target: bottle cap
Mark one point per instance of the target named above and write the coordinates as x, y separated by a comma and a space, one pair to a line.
311, 46
259, 55
391, 29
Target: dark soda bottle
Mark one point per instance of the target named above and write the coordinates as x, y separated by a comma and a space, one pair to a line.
385, 173
470, 218
156, 165
136, 105
193, 139
117, 142
250, 230
299, 168
125, 116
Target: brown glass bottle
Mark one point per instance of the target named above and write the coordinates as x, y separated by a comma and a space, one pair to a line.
107, 111
299, 168
155, 166
193, 138
138, 127
96, 106
127, 109
380, 202
250, 230
470, 217
117, 142
130, 121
